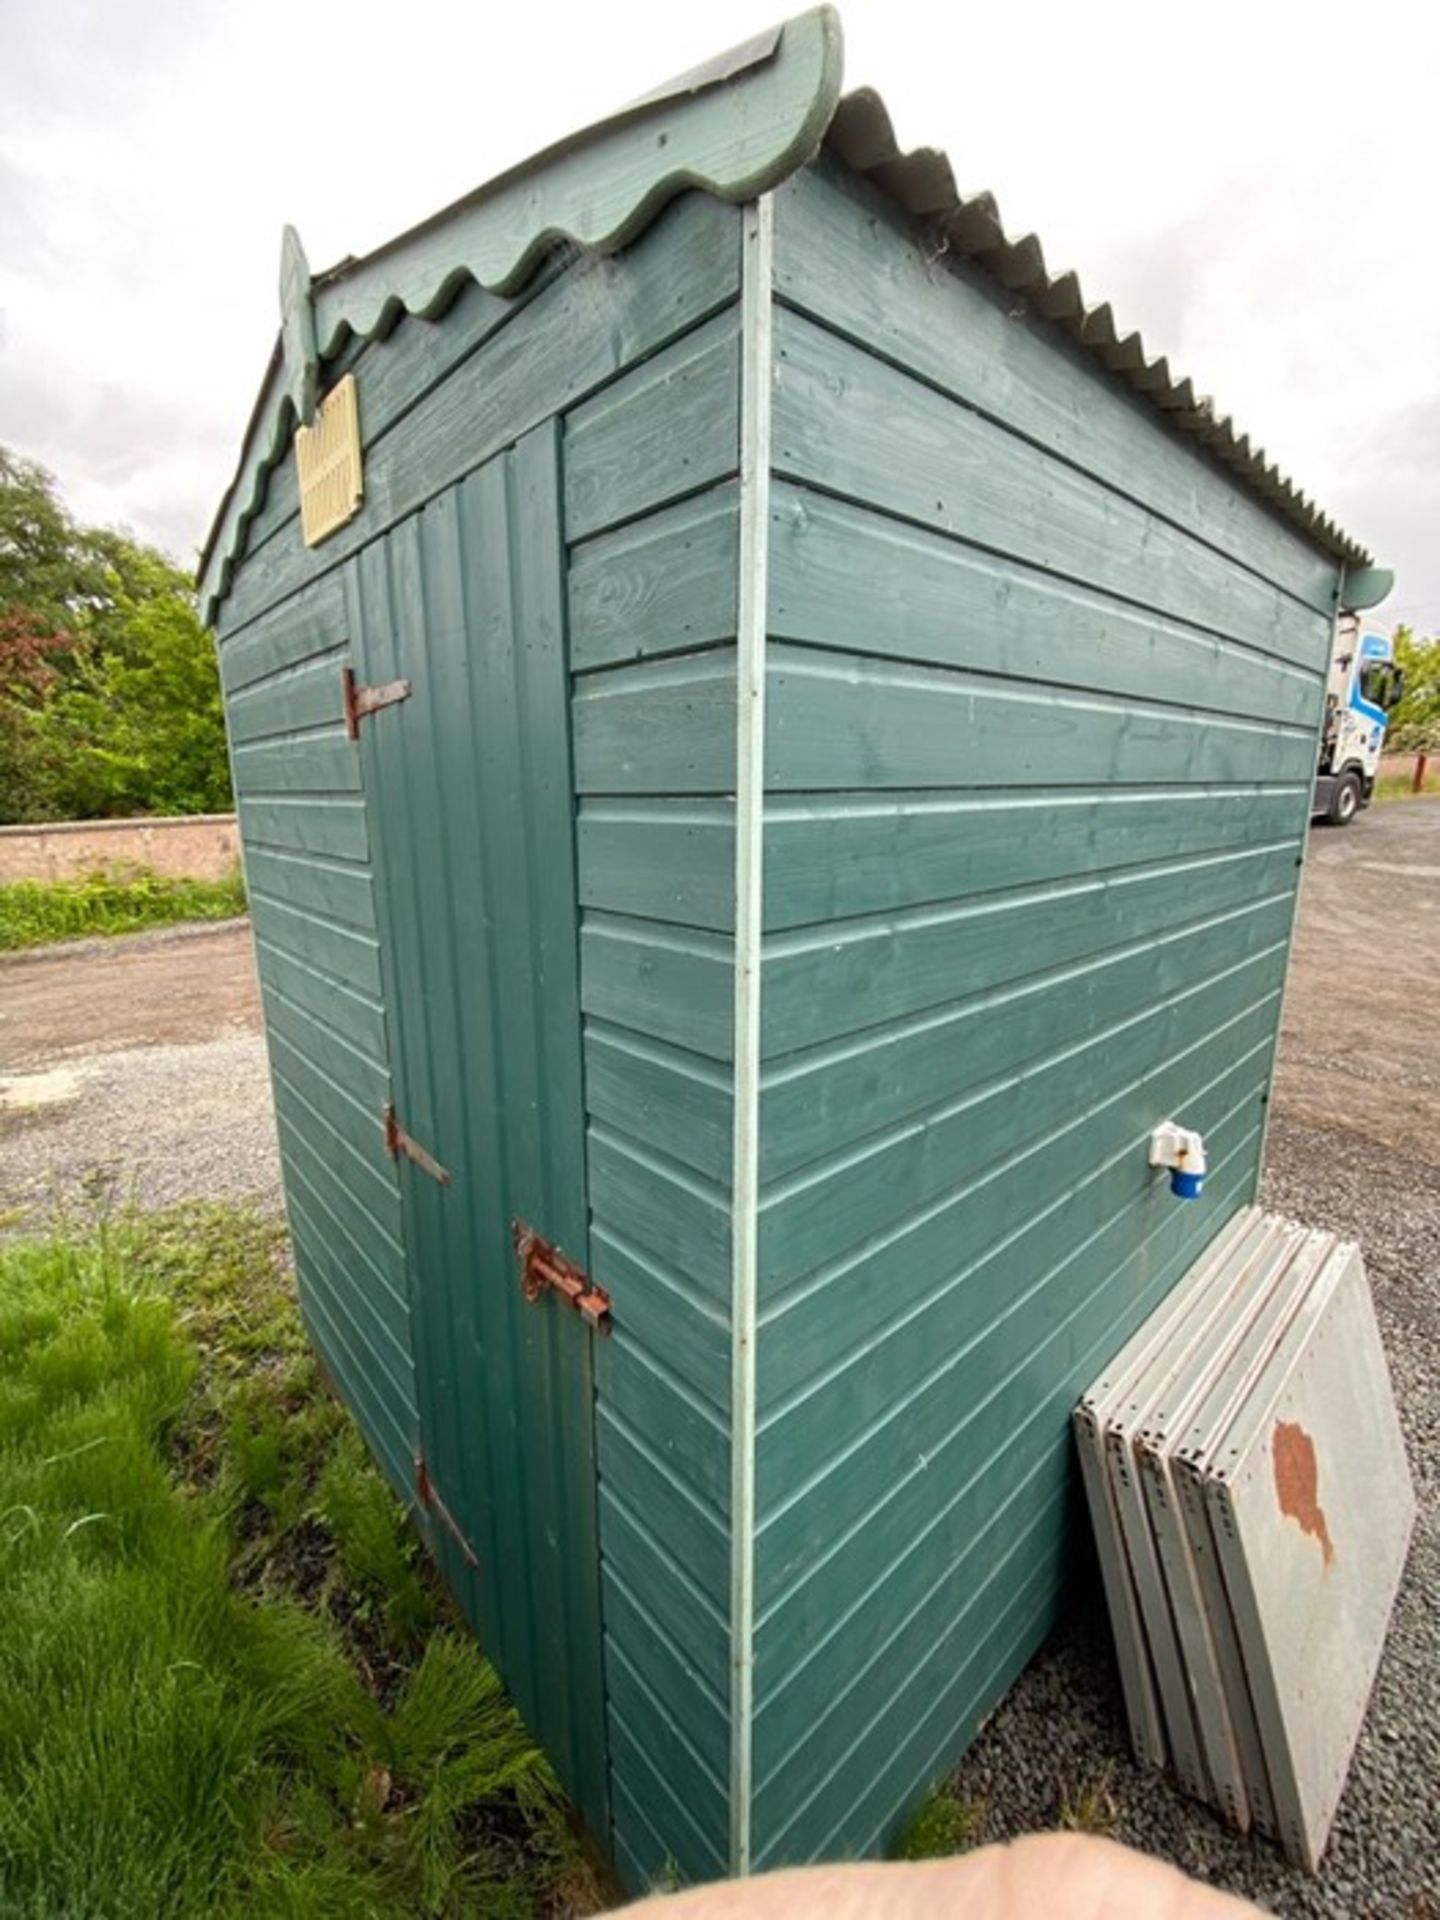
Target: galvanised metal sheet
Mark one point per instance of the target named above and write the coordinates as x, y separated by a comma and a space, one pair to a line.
1190, 1466
1312, 1506
1226, 1725
1104, 1400
1162, 1391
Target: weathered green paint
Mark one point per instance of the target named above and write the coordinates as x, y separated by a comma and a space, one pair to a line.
672, 1595
307, 824
820, 1098
663, 430
897, 444
662, 727
665, 1097
839, 856
671, 983
469, 792
837, 258
307, 860
658, 860
666, 585
824, 981
935, 727
309, 628
577, 333
1013, 855
859, 1191
1043, 690
843, 576
654, 1202
333, 888
306, 696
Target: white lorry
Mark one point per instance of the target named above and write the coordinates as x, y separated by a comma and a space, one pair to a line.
1365, 684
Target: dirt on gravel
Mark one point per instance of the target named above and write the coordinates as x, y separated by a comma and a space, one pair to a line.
1360, 1045
134, 1069
169, 988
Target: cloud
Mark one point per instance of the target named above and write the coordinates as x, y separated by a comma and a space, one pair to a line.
1231, 201
1392, 477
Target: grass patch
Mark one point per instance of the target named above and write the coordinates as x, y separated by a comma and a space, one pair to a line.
35, 912
229, 1684
1401, 786
1087, 1806
942, 1825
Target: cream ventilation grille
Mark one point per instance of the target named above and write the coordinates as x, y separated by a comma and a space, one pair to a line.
328, 465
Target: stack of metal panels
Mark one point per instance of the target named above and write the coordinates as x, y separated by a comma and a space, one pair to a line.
1252, 1506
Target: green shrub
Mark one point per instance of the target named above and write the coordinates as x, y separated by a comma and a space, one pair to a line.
35, 912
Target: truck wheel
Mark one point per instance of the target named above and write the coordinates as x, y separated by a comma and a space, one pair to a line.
1344, 801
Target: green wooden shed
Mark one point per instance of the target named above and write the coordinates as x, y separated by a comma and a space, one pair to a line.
773, 746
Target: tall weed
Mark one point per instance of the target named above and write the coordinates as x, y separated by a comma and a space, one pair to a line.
35, 912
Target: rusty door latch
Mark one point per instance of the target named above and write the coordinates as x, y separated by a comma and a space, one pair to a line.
428, 1498
398, 1142
543, 1268
360, 699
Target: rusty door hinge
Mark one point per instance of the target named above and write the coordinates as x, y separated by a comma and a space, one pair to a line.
544, 1268
397, 1141
429, 1499
361, 699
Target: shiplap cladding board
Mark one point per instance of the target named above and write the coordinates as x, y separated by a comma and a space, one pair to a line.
469, 790
308, 871
438, 399
1041, 701
638, 358
1041, 693
652, 525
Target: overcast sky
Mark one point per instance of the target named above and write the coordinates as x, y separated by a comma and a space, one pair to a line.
1252, 185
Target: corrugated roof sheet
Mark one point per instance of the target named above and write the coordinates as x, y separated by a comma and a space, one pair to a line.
736, 127
923, 183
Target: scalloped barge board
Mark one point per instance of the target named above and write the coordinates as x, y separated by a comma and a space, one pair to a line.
735, 127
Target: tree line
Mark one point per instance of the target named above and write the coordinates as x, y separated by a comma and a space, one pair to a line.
1415, 723
109, 692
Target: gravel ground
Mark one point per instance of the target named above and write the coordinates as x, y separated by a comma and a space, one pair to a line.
156, 1124
1353, 1147
134, 1068
1060, 1735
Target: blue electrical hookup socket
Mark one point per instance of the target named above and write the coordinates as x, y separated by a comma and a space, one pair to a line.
1182, 1152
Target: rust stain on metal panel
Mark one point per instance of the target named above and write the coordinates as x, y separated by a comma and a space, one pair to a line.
1297, 1483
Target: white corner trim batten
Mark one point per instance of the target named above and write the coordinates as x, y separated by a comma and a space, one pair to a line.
755, 406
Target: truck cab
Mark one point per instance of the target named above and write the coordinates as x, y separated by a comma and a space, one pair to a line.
1364, 686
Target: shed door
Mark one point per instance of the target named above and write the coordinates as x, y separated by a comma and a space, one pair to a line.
468, 791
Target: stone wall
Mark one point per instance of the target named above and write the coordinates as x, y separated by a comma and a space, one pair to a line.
197, 846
